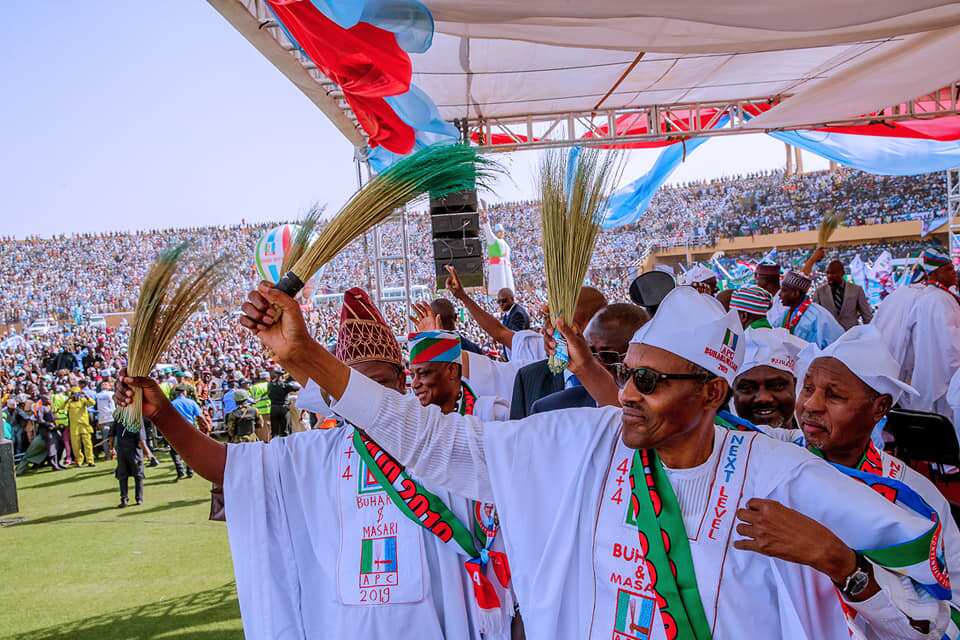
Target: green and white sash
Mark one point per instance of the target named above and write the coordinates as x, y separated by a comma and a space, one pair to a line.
418, 507
645, 580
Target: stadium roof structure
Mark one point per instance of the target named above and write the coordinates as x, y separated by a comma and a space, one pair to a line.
516, 74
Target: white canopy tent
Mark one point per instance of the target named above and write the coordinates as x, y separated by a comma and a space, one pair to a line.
545, 72
516, 74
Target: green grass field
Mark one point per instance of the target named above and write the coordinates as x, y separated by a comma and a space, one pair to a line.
78, 567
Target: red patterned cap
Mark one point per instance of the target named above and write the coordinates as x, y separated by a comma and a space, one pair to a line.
364, 335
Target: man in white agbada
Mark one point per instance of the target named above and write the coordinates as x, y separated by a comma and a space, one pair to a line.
499, 269
321, 547
921, 326
592, 557
844, 391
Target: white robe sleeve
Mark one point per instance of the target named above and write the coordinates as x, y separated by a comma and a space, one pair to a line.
442, 449
492, 377
527, 347
888, 612
488, 234
266, 575
311, 399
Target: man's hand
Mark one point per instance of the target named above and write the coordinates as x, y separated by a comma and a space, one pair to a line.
580, 354
774, 530
423, 318
283, 332
453, 283
153, 398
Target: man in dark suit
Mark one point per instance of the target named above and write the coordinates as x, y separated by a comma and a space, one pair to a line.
608, 336
533, 382
513, 316
844, 300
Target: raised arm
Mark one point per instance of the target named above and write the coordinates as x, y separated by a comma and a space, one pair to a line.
598, 382
444, 449
487, 322
202, 453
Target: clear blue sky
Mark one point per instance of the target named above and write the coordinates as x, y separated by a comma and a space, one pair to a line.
131, 115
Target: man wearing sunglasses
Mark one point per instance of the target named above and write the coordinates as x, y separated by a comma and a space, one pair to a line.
649, 517
607, 336
513, 316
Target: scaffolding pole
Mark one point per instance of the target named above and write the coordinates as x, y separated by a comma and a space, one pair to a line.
953, 211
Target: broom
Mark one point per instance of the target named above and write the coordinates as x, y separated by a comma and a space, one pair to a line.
300, 241
573, 190
831, 220
438, 170
160, 313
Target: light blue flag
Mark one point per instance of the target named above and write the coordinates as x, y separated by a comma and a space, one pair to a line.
628, 204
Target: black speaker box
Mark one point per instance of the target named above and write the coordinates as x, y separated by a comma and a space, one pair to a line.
8, 483
455, 225
469, 270
460, 202
456, 238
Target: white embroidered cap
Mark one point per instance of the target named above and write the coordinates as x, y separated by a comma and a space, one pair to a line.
696, 328
775, 348
864, 352
697, 273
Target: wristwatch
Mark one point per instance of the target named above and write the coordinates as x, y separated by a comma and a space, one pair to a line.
857, 581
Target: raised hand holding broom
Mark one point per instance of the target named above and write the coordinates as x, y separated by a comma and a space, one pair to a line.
167, 300
439, 170
574, 189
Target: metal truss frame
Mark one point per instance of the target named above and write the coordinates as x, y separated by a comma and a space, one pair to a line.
669, 122
953, 211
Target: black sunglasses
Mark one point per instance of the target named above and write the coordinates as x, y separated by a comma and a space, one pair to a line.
646, 380
609, 358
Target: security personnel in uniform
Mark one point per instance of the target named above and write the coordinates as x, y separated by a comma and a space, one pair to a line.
262, 403
81, 431
242, 421
277, 391
58, 404
129, 455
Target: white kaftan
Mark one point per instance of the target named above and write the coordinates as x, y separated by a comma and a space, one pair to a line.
548, 475
320, 552
921, 327
493, 378
892, 319
816, 325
